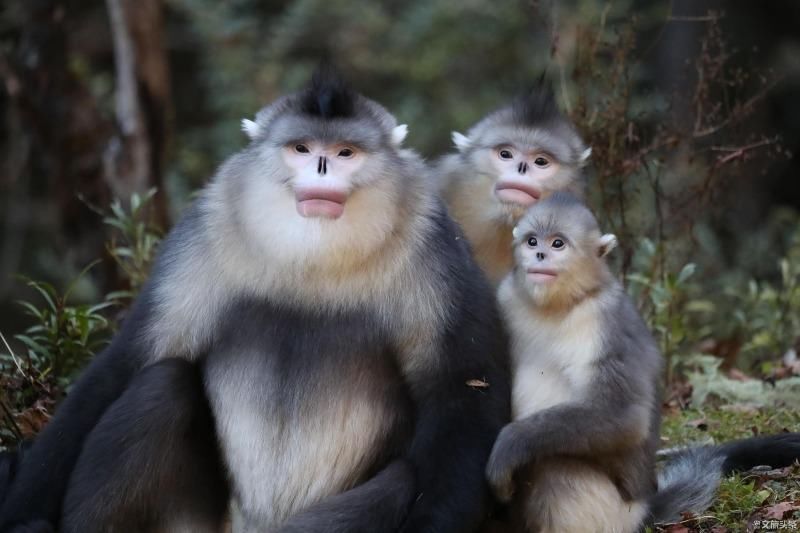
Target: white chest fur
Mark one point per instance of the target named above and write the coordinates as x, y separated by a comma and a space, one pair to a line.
553, 357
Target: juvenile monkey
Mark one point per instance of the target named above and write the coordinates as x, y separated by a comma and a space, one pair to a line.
579, 455
513, 157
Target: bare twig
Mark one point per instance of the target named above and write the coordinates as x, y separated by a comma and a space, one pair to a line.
13, 357
738, 113
700, 18
739, 152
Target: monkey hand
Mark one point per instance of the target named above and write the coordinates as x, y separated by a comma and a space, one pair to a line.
510, 452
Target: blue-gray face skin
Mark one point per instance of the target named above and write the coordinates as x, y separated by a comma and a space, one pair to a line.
327, 312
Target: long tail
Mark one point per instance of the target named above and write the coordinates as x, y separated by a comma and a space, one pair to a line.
689, 481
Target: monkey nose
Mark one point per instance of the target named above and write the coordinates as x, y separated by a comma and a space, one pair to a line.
540, 256
322, 165
523, 167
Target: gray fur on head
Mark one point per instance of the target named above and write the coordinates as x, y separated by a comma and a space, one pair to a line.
326, 110
561, 211
531, 119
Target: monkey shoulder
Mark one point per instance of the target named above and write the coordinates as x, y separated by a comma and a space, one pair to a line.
178, 307
446, 170
628, 341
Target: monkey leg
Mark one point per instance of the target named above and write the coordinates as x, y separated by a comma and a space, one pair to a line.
570, 496
152, 462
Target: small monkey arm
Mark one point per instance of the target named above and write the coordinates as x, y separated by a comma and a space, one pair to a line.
573, 429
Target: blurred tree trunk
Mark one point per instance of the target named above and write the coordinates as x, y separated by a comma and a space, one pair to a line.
61, 149
134, 159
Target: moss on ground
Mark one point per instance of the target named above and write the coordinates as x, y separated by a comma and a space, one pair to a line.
745, 500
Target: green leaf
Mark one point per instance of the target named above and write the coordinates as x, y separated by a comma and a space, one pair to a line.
31, 309
116, 208
123, 252
97, 307
686, 272
47, 291
33, 345
135, 202
119, 295
116, 223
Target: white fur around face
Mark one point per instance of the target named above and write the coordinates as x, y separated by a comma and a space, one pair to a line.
252, 129
254, 243
460, 140
399, 134
553, 357
607, 243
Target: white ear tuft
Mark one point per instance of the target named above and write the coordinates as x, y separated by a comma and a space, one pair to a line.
252, 129
515, 232
399, 134
585, 156
461, 141
606, 243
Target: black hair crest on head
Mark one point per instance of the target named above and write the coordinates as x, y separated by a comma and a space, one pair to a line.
328, 95
536, 105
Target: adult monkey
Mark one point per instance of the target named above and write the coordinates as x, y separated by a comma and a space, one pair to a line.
513, 157
351, 349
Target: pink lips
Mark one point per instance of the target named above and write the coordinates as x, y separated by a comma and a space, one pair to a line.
516, 193
322, 203
542, 274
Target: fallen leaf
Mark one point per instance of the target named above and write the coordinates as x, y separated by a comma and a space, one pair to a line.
779, 510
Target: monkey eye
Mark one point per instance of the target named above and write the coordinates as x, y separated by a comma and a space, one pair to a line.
346, 153
301, 149
558, 244
532, 242
541, 162
506, 154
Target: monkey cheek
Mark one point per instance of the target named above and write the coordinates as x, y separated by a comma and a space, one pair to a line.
319, 208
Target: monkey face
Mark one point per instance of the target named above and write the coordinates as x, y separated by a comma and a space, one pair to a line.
520, 165
522, 175
323, 176
558, 250
543, 257
323, 179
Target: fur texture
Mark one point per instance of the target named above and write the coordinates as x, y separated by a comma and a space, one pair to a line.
580, 452
336, 354
531, 123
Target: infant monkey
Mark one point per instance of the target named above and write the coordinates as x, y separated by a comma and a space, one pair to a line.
579, 455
